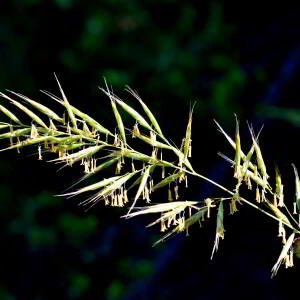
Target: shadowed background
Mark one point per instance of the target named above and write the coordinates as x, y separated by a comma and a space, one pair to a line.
229, 59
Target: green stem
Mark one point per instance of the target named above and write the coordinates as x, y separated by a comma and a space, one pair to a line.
211, 181
244, 200
268, 214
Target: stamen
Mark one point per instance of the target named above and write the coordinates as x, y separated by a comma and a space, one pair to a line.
40, 152
170, 198
257, 195
295, 208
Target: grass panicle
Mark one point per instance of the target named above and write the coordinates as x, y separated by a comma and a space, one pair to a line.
137, 174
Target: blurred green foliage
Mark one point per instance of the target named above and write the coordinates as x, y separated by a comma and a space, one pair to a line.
290, 115
79, 283
115, 290
129, 43
77, 229
135, 269
5, 295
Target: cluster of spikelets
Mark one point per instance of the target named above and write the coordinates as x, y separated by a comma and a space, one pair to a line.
77, 137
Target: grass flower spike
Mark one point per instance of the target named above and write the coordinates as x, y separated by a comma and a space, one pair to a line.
77, 138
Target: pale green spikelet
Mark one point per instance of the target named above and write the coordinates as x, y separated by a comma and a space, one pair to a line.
237, 160
187, 140
67, 104
167, 181
220, 228
147, 111
8, 113
42, 108
283, 255
279, 188
297, 188
141, 187
259, 157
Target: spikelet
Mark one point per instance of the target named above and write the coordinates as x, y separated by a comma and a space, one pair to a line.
259, 157
67, 104
127, 108
142, 187
187, 139
8, 113
147, 110
167, 180
235, 198
220, 228
42, 108
247, 161
279, 188
297, 188
196, 217
174, 207
232, 143
237, 160
116, 113
278, 213
284, 253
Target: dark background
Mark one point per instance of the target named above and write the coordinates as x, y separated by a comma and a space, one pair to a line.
242, 58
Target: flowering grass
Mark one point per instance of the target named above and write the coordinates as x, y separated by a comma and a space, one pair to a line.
78, 138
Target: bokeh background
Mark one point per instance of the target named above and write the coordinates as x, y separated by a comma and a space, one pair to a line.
229, 58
